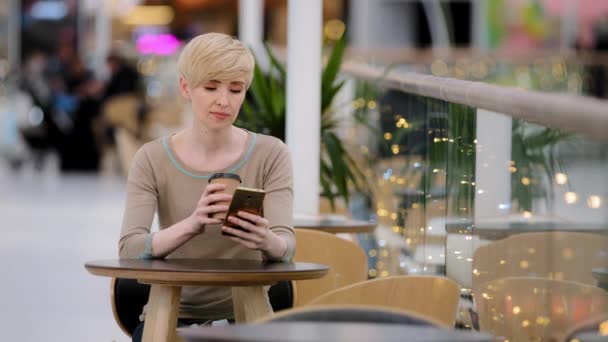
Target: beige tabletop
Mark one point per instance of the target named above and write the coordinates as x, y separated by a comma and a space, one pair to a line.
167, 276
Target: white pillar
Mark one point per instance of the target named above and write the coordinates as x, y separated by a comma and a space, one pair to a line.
304, 100
14, 34
480, 24
492, 161
251, 22
251, 29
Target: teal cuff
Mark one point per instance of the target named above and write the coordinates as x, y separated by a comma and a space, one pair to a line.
147, 254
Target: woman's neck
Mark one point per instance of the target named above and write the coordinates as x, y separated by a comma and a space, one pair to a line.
212, 143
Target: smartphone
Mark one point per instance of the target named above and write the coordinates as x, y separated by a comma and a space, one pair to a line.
245, 199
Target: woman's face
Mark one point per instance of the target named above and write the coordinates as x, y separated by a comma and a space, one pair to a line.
216, 103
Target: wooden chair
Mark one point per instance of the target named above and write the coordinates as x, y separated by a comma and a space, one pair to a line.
347, 262
597, 326
537, 309
351, 313
554, 255
128, 298
429, 296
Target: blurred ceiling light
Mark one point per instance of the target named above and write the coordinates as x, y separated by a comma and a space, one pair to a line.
561, 178
161, 44
570, 197
149, 15
49, 10
594, 201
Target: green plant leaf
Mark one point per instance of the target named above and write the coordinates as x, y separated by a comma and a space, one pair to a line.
275, 62
276, 99
260, 91
338, 166
325, 180
333, 64
327, 97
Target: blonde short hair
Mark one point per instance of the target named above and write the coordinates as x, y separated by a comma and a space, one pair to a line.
215, 56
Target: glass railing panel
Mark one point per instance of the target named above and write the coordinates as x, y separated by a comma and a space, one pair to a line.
514, 211
533, 266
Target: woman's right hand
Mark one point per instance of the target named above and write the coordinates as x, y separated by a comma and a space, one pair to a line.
207, 206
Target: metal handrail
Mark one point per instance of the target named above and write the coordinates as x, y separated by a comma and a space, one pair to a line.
572, 113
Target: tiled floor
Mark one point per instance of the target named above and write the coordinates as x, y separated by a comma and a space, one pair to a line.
51, 225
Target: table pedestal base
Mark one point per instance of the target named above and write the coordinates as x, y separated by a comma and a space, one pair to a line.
250, 303
161, 317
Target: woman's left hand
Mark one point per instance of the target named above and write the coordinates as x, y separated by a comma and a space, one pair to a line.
256, 234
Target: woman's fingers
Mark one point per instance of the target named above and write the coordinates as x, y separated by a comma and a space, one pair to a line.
243, 223
209, 220
212, 209
243, 235
214, 198
254, 230
256, 219
211, 188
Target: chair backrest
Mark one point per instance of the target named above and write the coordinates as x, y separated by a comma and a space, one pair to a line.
429, 296
128, 299
554, 255
596, 327
351, 313
347, 263
537, 309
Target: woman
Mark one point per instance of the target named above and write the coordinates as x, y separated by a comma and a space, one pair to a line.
170, 176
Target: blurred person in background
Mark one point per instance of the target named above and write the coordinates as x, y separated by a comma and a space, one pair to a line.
79, 147
123, 106
66, 102
35, 125
124, 79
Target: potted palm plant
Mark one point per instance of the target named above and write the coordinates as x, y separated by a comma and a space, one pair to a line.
264, 111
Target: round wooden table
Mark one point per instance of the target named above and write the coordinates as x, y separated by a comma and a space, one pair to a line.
167, 276
335, 226
328, 331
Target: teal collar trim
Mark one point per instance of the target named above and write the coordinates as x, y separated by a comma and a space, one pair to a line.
234, 169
